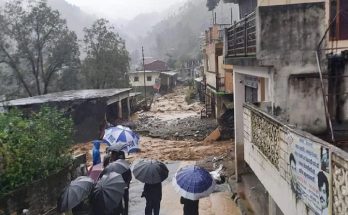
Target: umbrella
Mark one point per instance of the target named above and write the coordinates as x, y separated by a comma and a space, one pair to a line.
121, 134
75, 193
120, 166
193, 182
150, 171
117, 147
108, 192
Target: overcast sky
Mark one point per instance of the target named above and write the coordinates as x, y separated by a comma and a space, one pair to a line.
124, 9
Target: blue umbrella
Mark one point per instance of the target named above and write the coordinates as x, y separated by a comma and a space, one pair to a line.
193, 182
122, 135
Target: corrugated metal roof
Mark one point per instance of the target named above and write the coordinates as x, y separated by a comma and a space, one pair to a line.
66, 96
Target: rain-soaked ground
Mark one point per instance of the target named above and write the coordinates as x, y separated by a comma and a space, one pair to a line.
173, 132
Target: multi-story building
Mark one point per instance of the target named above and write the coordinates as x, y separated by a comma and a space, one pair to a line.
290, 86
217, 77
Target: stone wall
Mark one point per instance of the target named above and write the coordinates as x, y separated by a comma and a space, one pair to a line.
41, 196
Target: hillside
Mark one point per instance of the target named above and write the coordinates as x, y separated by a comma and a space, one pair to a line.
179, 34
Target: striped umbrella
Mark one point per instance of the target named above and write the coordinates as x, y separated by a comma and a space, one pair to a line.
193, 182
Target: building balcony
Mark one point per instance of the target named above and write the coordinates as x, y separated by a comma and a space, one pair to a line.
241, 38
302, 173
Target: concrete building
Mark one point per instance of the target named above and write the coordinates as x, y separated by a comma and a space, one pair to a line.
155, 81
89, 109
290, 65
168, 81
217, 77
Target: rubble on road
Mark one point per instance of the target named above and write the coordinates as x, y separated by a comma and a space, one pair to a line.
172, 118
175, 129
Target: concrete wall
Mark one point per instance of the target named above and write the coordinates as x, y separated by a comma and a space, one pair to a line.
344, 101
270, 160
139, 83
305, 92
211, 79
287, 37
239, 100
229, 81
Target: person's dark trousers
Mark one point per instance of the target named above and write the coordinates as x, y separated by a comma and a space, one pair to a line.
126, 201
152, 206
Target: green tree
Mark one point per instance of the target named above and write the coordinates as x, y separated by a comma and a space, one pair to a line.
107, 61
32, 147
36, 44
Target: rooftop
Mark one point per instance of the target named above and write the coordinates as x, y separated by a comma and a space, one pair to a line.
66, 96
170, 73
142, 71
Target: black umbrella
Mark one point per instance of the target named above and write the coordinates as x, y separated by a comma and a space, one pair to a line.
117, 147
120, 166
150, 171
75, 193
107, 194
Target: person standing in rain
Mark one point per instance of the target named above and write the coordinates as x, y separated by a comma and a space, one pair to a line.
127, 177
153, 196
96, 152
190, 206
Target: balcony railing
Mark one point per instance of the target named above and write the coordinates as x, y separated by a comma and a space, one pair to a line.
220, 84
241, 37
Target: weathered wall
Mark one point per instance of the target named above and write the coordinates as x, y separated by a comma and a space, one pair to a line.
140, 75
305, 92
344, 98
211, 79
87, 117
41, 196
229, 81
287, 37
268, 144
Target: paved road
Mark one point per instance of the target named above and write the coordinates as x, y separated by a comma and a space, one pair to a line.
218, 203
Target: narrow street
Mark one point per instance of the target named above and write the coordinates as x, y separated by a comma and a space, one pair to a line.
173, 132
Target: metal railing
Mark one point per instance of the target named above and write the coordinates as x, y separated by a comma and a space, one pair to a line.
220, 84
241, 37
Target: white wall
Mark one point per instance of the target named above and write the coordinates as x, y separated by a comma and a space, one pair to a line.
140, 83
239, 100
211, 79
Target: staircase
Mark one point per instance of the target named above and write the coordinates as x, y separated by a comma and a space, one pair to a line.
206, 112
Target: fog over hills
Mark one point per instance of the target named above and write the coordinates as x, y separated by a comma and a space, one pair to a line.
174, 31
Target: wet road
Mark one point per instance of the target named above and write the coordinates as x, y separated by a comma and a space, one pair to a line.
218, 203
137, 204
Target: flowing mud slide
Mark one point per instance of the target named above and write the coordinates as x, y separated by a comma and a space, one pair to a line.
172, 118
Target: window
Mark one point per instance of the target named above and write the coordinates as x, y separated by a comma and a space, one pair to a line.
339, 19
149, 78
136, 79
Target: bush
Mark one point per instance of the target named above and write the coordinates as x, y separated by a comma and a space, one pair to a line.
32, 147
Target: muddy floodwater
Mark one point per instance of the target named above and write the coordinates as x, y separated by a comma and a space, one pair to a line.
173, 132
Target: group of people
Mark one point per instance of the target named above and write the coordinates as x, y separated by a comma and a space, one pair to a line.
152, 192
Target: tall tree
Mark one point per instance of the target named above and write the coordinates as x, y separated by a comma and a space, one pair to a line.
36, 44
107, 61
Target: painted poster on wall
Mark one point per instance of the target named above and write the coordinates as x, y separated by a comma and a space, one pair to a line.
309, 174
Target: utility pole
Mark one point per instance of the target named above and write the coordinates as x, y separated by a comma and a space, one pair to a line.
142, 50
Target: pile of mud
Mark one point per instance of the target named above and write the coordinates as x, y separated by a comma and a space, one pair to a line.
190, 128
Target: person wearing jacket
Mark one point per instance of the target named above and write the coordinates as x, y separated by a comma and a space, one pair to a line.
190, 206
153, 196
